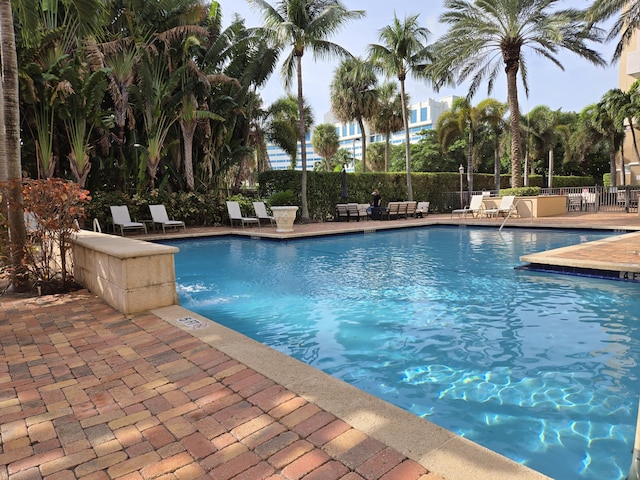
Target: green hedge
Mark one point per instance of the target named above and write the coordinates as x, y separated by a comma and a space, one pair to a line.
324, 188
195, 209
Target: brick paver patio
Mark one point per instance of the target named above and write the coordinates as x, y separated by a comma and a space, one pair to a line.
88, 393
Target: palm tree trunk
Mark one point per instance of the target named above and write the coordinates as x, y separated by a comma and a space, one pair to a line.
496, 166
407, 147
363, 142
304, 215
387, 149
11, 113
612, 162
550, 168
512, 96
470, 161
633, 135
188, 129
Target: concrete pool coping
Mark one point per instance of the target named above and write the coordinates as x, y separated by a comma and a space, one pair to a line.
441, 452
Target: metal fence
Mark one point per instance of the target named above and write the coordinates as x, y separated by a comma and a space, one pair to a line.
579, 199
598, 199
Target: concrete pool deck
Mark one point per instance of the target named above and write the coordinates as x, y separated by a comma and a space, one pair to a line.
87, 392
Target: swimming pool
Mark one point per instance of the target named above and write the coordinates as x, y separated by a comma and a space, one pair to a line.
541, 368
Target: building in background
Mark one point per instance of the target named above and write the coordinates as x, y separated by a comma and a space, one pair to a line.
422, 116
628, 73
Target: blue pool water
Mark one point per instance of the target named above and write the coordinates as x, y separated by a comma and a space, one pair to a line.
542, 368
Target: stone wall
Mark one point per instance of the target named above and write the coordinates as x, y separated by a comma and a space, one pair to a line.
130, 275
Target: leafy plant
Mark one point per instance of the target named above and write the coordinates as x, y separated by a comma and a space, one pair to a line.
53, 208
285, 197
521, 191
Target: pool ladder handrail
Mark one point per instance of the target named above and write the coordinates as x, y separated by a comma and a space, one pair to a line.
515, 207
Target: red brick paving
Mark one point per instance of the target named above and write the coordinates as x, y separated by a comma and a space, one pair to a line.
87, 393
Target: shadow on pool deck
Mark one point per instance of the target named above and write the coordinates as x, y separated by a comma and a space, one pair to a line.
86, 392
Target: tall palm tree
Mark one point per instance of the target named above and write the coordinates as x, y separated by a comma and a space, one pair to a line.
301, 25
353, 96
486, 36
403, 52
12, 167
388, 118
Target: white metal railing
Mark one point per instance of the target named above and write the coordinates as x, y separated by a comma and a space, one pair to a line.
515, 207
96, 226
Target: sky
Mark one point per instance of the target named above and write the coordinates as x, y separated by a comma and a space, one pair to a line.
578, 85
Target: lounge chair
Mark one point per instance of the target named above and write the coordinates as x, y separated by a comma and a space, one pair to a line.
506, 205
411, 209
352, 210
342, 213
235, 215
422, 210
393, 210
122, 220
159, 216
261, 212
475, 207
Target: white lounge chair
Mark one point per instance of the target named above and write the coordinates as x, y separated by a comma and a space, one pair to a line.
159, 216
261, 212
506, 205
422, 210
235, 215
475, 207
122, 220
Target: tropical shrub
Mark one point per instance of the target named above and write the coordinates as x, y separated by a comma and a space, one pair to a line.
53, 210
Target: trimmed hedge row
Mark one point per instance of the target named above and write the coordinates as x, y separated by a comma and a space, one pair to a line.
323, 193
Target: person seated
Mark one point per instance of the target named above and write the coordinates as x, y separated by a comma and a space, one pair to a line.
376, 213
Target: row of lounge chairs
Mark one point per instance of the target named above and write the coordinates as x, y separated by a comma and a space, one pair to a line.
235, 215
122, 220
393, 210
476, 207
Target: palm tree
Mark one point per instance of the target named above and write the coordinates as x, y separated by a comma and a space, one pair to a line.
403, 52
611, 126
282, 125
487, 36
463, 120
388, 118
11, 169
302, 24
353, 96
492, 114
325, 141
543, 128
625, 25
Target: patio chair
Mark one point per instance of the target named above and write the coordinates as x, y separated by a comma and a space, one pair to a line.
393, 210
475, 207
411, 209
505, 207
422, 210
235, 215
352, 209
159, 216
122, 220
261, 212
341, 212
